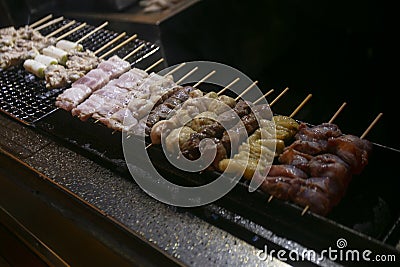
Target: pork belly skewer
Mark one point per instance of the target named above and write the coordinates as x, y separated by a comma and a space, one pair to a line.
92, 81
110, 103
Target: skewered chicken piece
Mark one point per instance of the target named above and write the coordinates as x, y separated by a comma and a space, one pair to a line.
261, 147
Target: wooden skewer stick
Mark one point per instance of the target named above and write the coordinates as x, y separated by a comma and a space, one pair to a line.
71, 31
61, 29
371, 126
109, 43
204, 78
337, 112
93, 31
186, 75
228, 86
133, 52
246, 90
264, 96
49, 23
154, 65
119, 46
175, 69
300, 106
279, 96
37, 23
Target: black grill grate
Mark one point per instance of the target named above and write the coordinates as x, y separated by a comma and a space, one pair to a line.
26, 98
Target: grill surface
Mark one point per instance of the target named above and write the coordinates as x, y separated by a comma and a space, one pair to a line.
26, 98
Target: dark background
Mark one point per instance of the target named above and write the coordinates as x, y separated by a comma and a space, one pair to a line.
337, 50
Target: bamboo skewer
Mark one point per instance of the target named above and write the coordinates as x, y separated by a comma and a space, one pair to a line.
337, 112
175, 69
49, 23
246, 90
264, 96
71, 31
300, 106
118, 46
61, 28
133, 52
92, 32
279, 96
228, 86
37, 23
371, 126
110, 43
187, 75
204, 78
154, 65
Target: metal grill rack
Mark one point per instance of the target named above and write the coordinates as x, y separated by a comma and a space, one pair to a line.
25, 97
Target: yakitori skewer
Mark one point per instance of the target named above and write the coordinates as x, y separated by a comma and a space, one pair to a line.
37, 23
154, 65
109, 43
246, 90
297, 109
71, 31
205, 78
361, 137
197, 84
48, 23
264, 96
187, 75
175, 69
330, 121
72, 22
118, 46
93, 31
228, 86
133, 52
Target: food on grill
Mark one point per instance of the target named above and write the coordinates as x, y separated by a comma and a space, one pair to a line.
35, 67
77, 65
18, 45
329, 159
68, 45
84, 86
57, 53
260, 148
46, 60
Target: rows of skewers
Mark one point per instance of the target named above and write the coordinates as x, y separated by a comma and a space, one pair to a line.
56, 60
312, 166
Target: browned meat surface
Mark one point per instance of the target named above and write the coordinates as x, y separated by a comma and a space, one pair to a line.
287, 171
353, 150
